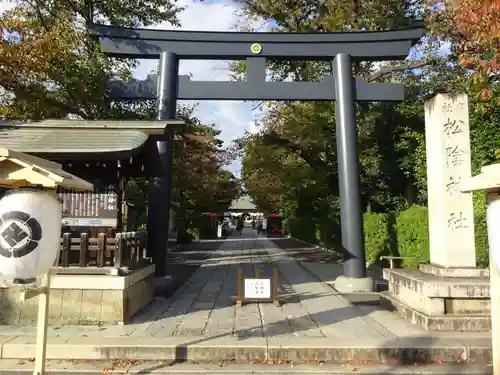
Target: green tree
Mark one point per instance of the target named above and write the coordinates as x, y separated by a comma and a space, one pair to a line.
308, 129
391, 137
51, 66
473, 28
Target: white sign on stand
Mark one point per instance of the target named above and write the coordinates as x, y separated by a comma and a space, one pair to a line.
257, 288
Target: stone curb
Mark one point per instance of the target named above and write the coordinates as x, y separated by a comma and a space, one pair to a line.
202, 349
156, 367
311, 245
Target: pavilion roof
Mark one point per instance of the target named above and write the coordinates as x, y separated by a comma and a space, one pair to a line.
122, 138
243, 203
18, 169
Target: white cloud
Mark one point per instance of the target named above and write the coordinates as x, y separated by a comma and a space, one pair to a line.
6, 5
252, 127
232, 117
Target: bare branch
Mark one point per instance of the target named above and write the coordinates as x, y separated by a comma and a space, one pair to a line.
398, 68
258, 106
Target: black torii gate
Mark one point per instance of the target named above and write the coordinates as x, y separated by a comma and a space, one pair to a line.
339, 48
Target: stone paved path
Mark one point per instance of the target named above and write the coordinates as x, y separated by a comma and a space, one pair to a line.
200, 323
203, 306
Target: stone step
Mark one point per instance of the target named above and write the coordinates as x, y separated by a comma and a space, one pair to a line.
54, 367
230, 348
459, 323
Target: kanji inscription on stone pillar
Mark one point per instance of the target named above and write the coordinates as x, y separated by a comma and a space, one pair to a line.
451, 213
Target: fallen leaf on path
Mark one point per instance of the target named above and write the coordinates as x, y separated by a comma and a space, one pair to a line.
354, 369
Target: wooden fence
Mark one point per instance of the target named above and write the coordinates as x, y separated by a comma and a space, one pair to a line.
126, 250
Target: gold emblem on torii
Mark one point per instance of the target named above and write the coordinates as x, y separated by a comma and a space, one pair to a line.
256, 48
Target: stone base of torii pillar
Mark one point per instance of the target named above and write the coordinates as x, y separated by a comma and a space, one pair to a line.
450, 293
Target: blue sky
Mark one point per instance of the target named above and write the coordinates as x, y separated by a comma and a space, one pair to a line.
232, 117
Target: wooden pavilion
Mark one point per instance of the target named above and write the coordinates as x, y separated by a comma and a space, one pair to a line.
110, 274
105, 153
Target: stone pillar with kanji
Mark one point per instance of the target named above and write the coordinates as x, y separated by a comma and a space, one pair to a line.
451, 214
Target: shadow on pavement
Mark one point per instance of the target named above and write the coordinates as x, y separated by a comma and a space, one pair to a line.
183, 263
395, 352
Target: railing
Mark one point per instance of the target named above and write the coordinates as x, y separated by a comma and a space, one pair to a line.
103, 254
391, 259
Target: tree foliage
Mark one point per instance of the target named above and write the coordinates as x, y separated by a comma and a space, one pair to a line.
198, 168
51, 68
292, 161
473, 29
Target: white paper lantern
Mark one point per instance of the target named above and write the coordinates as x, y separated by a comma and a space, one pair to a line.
30, 232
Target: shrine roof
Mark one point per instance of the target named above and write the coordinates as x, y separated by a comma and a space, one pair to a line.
243, 203
100, 138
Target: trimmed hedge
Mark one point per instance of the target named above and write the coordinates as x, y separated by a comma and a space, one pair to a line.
413, 233
303, 228
481, 231
412, 227
377, 238
405, 235
319, 232
328, 232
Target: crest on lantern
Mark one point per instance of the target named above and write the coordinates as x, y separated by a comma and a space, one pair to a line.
30, 217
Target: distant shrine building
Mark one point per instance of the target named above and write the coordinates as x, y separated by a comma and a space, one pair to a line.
241, 205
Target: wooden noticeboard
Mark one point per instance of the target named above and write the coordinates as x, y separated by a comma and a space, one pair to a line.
257, 289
